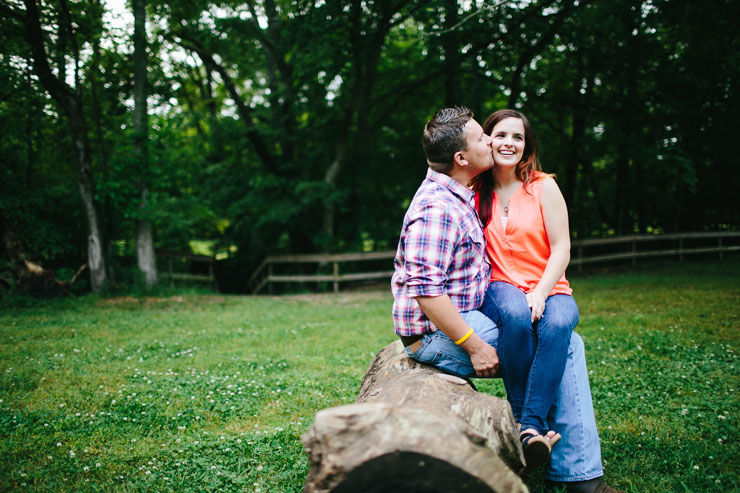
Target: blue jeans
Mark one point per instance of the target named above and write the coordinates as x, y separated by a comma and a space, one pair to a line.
532, 354
577, 457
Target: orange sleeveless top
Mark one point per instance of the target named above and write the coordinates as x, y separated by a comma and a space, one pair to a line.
519, 253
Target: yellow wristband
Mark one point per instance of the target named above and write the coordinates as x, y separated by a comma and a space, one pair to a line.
464, 338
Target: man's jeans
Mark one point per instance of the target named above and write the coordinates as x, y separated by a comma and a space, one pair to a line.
532, 355
577, 457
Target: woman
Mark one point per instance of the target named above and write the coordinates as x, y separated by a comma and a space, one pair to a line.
528, 244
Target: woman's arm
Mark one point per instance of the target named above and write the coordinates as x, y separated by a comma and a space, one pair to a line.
555, 214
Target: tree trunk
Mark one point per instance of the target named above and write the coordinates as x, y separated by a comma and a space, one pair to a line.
414, 428
71, 104
144, 236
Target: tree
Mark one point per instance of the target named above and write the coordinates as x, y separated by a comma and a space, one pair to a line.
70, 100
144, 234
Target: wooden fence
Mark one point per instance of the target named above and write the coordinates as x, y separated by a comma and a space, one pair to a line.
264, 274
178, 261
680, 244
601, 251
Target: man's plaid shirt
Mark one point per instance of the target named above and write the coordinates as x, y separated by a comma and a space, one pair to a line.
441, 251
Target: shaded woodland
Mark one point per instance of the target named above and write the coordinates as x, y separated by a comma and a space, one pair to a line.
239, 129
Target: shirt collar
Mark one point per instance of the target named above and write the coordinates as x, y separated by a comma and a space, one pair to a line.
453, 186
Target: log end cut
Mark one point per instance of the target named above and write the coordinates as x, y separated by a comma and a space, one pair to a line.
416, 429
376, 447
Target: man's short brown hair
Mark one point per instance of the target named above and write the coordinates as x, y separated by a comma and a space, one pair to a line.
444, 135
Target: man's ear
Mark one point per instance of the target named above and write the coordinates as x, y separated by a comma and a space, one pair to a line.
459, 159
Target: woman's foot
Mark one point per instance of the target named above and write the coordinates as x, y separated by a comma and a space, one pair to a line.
536, 448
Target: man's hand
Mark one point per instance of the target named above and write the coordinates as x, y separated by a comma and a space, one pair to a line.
445, 316
483, 356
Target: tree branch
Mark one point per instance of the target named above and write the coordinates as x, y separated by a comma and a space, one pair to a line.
34, 35
245, 114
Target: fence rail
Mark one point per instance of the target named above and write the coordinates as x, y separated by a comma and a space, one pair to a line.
183, 258
633, 253
264, 275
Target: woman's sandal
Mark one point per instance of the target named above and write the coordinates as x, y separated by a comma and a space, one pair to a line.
536, 449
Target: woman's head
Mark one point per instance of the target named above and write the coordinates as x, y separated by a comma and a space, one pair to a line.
526, 169
529, 161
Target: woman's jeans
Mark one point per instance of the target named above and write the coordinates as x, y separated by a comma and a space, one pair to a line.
532, 355
577, 457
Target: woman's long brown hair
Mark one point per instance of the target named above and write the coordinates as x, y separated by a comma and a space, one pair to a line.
526, 169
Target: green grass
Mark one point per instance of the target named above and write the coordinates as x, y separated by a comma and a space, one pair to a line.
199, 392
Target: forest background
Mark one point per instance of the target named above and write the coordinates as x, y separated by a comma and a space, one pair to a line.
240, 129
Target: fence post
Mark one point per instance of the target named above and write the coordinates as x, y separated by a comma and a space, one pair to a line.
172, 281
721, 255
580, 258
269, 276
634, 253
336, 276
680, 249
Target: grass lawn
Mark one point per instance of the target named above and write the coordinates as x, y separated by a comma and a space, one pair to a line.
203, 392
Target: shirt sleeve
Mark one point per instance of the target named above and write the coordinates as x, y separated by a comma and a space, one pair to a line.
429, 245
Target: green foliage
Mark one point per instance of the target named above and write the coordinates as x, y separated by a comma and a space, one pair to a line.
253, 110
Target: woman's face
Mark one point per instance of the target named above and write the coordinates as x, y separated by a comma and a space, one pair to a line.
508, 142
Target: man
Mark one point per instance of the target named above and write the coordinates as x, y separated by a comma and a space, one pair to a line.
441, 276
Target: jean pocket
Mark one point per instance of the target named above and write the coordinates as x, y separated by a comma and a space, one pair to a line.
423, 355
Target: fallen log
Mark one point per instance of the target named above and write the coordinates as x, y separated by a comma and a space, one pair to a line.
29, 277
414, 429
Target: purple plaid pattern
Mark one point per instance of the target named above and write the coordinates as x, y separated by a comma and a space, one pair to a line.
441, 251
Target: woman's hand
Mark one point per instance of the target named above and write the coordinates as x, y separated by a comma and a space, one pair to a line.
536, 303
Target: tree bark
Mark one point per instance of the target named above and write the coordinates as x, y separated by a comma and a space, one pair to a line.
71, 104
144, 231
414, 428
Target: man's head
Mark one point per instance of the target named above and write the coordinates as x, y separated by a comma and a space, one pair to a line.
452, 137
444, 135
